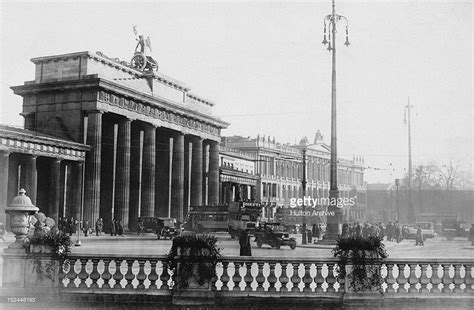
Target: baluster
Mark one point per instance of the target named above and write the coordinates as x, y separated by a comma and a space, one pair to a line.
72, 275
118, 276
129, 276
435, 279
83, 275
307, 280
341, 281
141, 276
272, 279
106, 275
331, 280
319, 279
424, 280
295, 278
236, 278
412, 279
390, 280
457, 279
283, 277
260, 278
401, 279
94, 274
153, 276
447, 280
248, 278
469, 280
165, 276
225, 277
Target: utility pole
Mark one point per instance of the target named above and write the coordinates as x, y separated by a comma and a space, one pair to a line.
411, 211
397, 184
304, 239
334, 223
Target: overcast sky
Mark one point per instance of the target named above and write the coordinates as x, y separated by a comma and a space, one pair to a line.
263, 64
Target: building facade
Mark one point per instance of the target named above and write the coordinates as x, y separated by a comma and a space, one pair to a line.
280, 170
154, 145
48, 168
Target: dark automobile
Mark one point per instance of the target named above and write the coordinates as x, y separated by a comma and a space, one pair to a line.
166, 228
273, 234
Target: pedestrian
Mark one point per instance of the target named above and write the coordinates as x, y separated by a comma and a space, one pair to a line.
141, 228
359, 230
365, 230
317, 233
345, 230
471, 235
244, 242
398, 232
98, 227
419, 237
71, 226
85, 228
2, 232
112, 228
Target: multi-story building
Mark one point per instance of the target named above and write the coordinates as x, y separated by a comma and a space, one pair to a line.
280, 170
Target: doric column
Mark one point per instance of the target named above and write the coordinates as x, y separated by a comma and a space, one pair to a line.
196, 172
149, 166
229, 192
77, 172
135, 176
177, 180
213, 174
55, 189
122, 183
92, 181
31, 177
205, 167
4, 159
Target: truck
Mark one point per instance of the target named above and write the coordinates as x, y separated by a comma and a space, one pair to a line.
243, 216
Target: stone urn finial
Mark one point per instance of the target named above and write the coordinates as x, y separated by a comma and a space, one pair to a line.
20, 210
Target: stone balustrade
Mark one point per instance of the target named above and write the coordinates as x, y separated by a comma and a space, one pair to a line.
267, 276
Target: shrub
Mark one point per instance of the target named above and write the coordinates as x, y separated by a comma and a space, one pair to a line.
190, 250
365, 255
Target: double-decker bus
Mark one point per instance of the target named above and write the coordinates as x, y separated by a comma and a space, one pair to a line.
243, 216
207, 218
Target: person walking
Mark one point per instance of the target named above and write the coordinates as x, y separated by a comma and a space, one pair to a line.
70, 225
244, 242
85, 228
113, 231
317, 233
345, 230
419, 237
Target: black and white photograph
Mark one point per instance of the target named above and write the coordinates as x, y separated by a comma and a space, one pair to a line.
236, 154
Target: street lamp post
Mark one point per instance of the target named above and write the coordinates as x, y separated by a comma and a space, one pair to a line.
397, 184
334, 223
304, 239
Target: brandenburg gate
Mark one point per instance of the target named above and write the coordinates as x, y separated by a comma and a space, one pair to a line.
154, 144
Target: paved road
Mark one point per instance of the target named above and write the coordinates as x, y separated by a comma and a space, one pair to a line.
434, 248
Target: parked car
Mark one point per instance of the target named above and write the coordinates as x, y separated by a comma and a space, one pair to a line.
427, 229
273, 234
167, 228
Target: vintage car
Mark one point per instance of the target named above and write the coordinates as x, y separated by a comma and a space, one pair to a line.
451, 228
167, 228
427, 229
273, 234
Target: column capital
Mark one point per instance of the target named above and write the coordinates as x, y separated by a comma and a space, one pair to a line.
95, 111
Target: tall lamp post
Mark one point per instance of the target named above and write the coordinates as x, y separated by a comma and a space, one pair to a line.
334, 223
397, 184
304, 239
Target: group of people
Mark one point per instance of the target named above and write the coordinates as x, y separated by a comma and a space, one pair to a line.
116, 228
67, 225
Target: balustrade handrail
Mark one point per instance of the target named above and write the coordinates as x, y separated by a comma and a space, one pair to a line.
231, 258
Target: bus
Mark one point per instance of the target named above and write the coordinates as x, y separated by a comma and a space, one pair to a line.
243, 216
207, 219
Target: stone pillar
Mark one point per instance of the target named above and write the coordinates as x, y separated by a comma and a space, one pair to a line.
135, 176
177, 180
31, 175
77, 173
213, 175
92, 181
55, 189
205, 167
149, 167
162, 173
4, 159
122, 183
196, 173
